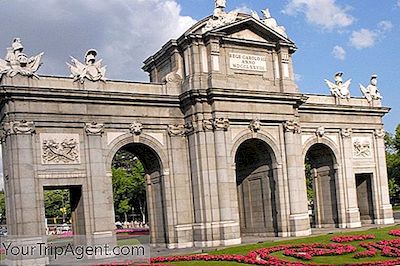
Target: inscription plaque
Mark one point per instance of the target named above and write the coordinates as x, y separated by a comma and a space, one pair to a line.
248, 62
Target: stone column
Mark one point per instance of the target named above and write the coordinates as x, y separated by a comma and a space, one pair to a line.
299, 219
25, 224
204, 182
229, 229
352, 211
384, 208
99, 187
181, 185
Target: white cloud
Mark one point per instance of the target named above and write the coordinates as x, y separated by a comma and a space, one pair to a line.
323, 13
385, 26
125, 32
339, 52
365, 38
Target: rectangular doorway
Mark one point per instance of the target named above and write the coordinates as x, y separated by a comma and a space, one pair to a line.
364, 197
64, 211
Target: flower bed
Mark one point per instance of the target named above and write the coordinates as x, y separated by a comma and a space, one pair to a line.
306, 252
352, 238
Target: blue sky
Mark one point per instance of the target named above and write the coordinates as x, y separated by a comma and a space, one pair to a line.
357, 37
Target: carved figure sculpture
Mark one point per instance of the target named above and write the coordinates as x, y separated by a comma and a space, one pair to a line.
371, 92
339, 89
220, 17
220, 3
91, 70
271, 22
16, 62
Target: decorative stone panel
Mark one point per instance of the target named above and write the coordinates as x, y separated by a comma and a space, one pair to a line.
362, 147
59, 149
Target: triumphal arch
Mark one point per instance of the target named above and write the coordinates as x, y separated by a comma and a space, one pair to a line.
222, 129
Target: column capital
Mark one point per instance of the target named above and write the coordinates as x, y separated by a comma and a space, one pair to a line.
346, 132
221, 124
292, 126
176, 130
380, 133
94, 129
22, 127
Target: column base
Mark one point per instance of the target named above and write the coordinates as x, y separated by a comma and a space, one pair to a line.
300, 225
386, 212
205, 234
184, 235
353, 219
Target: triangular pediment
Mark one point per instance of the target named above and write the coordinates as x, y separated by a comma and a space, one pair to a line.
247, 34
252, 29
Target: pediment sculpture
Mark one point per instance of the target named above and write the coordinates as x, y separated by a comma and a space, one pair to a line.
338, 88
371, 92
16, 62
91, 70
220, 17
269, 21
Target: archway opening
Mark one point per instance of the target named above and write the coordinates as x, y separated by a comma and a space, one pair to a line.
321, 186
256, 186
138, 191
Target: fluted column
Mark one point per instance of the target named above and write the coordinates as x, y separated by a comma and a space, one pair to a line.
299, 219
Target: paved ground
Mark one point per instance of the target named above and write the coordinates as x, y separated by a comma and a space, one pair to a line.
252, 240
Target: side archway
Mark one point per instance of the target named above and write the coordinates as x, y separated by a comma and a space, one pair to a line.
322, 184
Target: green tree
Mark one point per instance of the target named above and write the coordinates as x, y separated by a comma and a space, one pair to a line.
55, 201
392, 144
129, 186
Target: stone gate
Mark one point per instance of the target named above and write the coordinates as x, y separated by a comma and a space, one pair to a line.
222, 130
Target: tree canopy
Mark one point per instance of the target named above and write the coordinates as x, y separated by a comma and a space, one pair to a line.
392, 142
129, 185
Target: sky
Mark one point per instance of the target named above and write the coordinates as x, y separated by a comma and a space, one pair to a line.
356, 37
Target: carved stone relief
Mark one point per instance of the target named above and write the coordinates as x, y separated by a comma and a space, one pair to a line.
60, 148
362, 147
136, 128
255, 125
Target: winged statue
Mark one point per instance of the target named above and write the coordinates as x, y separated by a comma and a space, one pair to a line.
371, 92
91, 70
16, 62
338, 88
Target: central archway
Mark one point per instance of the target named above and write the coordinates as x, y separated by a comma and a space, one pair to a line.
152, 174
256, 186
321, 176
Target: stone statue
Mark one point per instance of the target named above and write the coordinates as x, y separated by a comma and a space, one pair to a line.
220, 17
255, 15
271, 22
371, 92
16, 62
220, 3
339, 89
91, 70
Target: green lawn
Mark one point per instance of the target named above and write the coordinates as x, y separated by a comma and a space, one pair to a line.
381, 234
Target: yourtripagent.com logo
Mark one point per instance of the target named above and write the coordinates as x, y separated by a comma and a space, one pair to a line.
73, 250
